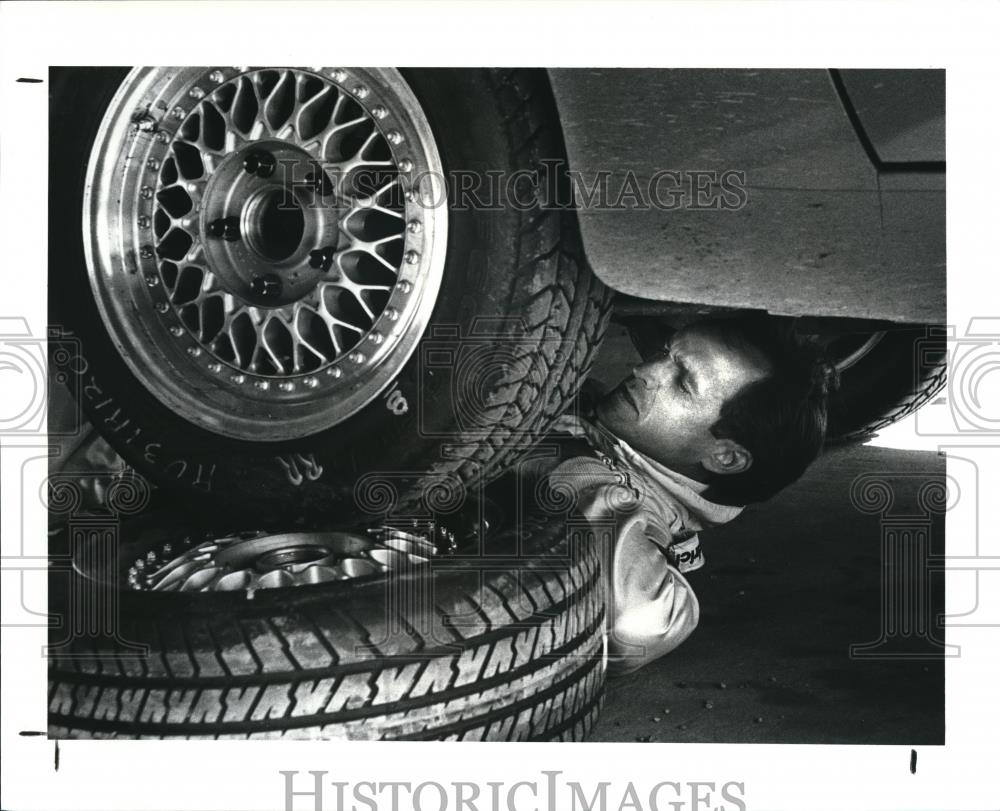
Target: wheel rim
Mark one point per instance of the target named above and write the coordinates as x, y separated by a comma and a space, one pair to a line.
249, 561
265, 246
856, 348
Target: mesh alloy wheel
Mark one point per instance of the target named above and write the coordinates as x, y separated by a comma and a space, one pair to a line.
260, 248
248, 561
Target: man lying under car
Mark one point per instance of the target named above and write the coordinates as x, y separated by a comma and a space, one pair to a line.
729, 413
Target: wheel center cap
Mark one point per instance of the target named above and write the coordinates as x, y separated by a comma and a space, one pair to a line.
269, 224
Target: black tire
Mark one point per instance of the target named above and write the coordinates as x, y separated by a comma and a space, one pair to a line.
904, 370
511, 649
520, 272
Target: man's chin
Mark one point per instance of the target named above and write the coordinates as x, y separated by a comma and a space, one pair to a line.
613, 411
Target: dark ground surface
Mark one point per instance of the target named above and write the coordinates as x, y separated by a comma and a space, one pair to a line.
787, 588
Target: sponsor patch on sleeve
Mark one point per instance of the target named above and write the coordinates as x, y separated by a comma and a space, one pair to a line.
686, 555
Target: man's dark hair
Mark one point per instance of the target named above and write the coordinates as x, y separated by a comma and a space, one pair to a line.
780, 419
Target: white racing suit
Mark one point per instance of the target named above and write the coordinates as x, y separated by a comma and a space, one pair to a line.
654, 514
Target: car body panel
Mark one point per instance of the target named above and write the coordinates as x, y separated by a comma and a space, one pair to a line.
821, 230
900, 111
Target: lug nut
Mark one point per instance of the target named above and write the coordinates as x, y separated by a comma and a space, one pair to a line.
259, 163
267, 286
227, 228
321, 259
320, 183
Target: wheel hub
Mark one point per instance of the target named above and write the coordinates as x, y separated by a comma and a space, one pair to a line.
261, 226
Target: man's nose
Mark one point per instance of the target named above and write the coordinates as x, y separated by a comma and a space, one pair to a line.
652, 373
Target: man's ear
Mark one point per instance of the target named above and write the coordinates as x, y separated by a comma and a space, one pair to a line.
727, 457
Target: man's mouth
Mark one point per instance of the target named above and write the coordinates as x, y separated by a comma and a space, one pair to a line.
627, 394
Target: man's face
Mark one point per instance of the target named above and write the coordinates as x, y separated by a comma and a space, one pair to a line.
667, 406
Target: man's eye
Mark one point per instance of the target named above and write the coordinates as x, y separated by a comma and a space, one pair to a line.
680, 379
685, 381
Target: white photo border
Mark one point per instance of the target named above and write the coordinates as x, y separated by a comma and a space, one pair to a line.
245, 775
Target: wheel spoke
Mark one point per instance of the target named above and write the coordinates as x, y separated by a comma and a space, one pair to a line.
263, 341
244, 108
283, 105
309, 117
